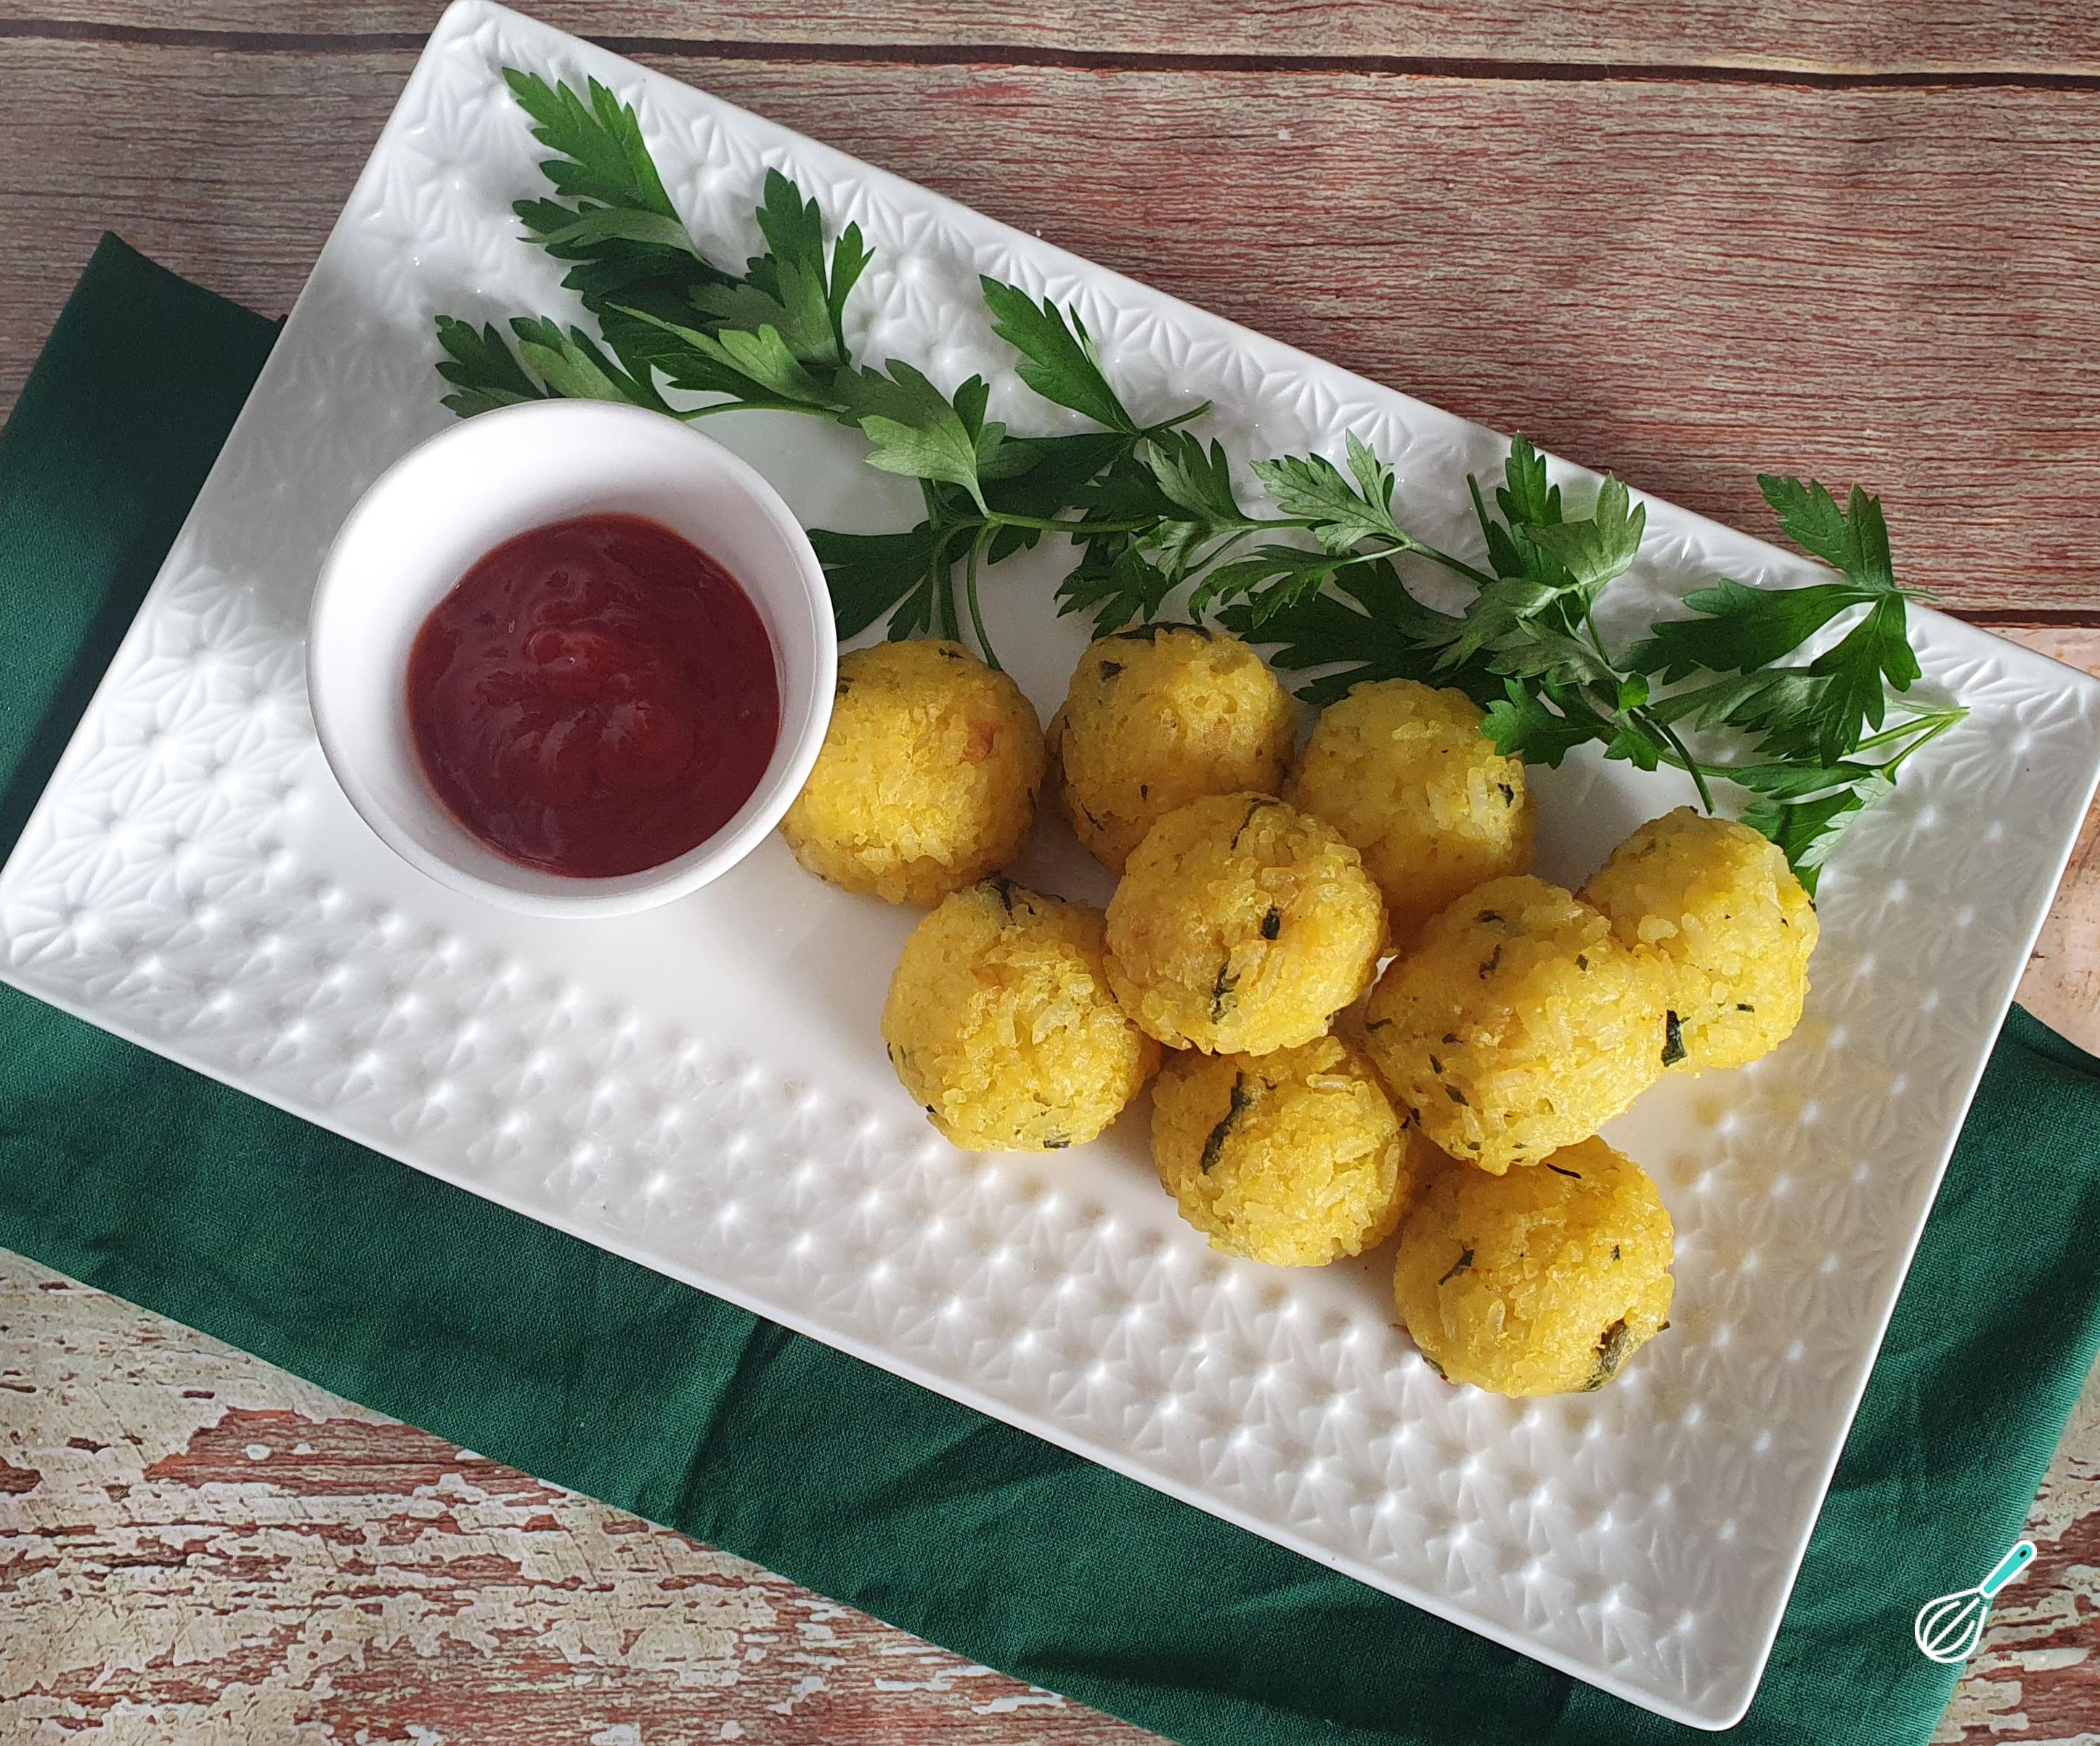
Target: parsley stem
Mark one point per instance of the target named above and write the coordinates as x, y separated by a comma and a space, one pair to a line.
688, 414
1180, 418
1457, 566
1927, 724
1684, 760
1945, 719
1596, 637
940, 567
1408, 543
970, 589
1480, 510
1218, 551
1050, 524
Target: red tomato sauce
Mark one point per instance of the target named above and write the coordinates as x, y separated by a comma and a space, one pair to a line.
594, 697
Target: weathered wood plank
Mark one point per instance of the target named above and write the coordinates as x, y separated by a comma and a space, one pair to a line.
1688, 283
2035, 1679
2047, 36
196, 1546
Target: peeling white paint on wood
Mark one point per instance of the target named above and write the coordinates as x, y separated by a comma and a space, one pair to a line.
196, 1546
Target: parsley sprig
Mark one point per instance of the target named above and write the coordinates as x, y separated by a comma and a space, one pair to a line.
1155, 515
1814, 740
773, 338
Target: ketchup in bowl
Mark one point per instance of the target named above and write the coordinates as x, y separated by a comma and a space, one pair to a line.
594, 697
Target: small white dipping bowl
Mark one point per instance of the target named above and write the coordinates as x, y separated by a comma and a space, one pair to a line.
435, 513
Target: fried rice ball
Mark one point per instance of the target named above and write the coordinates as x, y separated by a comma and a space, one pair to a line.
1157, 717
1716, 902
1000, 1024
1295, 1157
1517, 1023
1414, 787
927, 777
1540, 1282
1242, 925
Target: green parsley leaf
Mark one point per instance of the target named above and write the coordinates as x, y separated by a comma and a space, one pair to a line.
1049, 474
928, 608
1128, 490
1365, 625
1820, 712
1057, 355
1807, 830
1116, 584
1541, 727
850, 256
481, 369
1526, 500
1270, 580
583, 230
917, 431
602, 157
1852, 700
1536, 542
871, 575
1855, 541
756, 369
622, 236
793, 288
1632, 743
1496, 615
573, 366
1199, 483
1743, 628
1540, 649
1599, 549
610, 258
1374, 477
1795, 782
1313, 487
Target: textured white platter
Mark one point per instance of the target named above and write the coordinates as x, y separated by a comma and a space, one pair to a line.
703, 1089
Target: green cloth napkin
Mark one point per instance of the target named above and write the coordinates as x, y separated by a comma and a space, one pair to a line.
125, 1170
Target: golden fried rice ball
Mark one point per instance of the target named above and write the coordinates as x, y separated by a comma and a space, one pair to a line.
1414, 787
1716, 902
927, 777
1516, 1024
1540, 1282
1156, 718
1295, 1157
999, 1022
1242, 925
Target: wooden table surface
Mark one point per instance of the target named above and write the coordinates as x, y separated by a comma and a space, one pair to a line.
1689, 241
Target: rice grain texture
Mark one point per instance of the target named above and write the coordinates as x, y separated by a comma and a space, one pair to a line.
1540, 1282
1718, 906
1242, 925
1295, 1157
1000, 1024
1157, 717
927, 777
1517, 1023
1405, 774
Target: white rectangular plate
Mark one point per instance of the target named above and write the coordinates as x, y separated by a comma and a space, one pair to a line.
702, 1088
